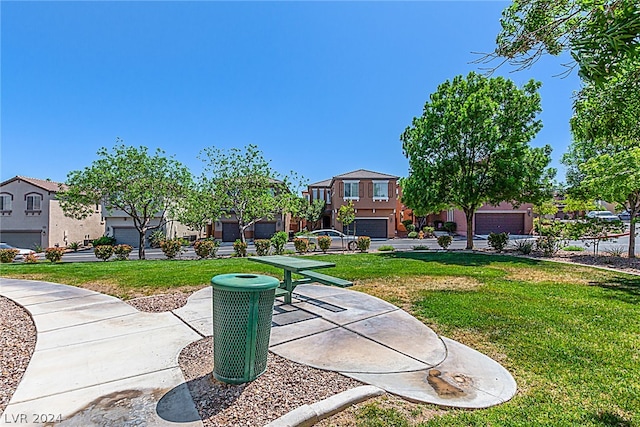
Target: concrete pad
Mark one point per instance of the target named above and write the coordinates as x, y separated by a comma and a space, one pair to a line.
349, 315
405, 334
204, 326
195, 309
17, 286
295, 316
202, 294
156, 399
281, 334
18, 294
466, 379
61, 295
318, 291
71, 304
344, 351
107, 328
82, 315
74, 367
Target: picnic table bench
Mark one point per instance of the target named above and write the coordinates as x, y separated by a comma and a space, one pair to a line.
302, 267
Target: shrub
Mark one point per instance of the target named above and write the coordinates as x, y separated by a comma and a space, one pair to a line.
171, 247
428, 231
548, 245
615, 251
525, 247
420, 247
386, 248
103, 252
498, 241
156, 237
278, 241
239, 248
363, 243
122, 252
31, 259
324, 242
444, 241
206, 248
450, 226
301, 244
573, 248
74, 246
8, 255
410, 228
54, 254
407, 222
262, 246
413, 235
104, 240
289, 252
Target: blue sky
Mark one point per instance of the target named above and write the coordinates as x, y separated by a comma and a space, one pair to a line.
321, 87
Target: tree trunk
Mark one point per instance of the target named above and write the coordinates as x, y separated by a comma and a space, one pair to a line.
632, 234
468, 213
242, 227
141, 242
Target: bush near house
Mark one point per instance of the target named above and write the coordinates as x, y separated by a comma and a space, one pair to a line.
122, 252
301, 244
363, 243
324, 242
30, 259
74, 246
444, 241
8, 255
103, 252
498, 241
278, 241
239, 248
262, 246
525, 247
54, 254
428, 231
450, 227
104, 240
171, 247
413, 235
206, 248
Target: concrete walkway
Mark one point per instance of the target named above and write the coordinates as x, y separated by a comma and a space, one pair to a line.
94, 350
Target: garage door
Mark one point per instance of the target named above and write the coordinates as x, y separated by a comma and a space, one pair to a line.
230, 231
22, 239
129, 236
512, 223
374, 228
264, 230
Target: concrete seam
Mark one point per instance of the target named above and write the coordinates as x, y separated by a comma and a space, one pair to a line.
186, 323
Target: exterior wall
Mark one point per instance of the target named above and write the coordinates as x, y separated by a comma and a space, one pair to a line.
283, 223
64, 230
54, 227
366, 207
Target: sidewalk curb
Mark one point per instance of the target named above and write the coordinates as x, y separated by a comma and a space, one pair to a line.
308, 415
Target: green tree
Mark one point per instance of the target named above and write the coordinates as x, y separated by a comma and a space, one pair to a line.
347, 215
245, 185
470, 147
198, 207
128, 179
601, 35
314, 211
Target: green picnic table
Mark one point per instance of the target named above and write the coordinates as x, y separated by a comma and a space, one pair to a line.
302, 267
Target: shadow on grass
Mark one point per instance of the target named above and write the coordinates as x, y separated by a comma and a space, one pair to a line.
462, 258
610, 419
626, 289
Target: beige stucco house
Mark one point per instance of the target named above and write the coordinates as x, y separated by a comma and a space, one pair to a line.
30, 215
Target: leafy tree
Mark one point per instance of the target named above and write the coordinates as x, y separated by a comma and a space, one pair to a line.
470, 147
546, 207
575, 205
198, 207
314, 211
244, 184
347, 215
601, 35
129, 179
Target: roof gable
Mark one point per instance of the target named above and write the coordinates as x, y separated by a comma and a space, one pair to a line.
364, 174
50, 186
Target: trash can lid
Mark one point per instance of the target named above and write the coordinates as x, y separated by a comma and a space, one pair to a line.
245, 282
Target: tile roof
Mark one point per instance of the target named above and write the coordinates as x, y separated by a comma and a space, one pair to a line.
50, 186
364, 174
325, 183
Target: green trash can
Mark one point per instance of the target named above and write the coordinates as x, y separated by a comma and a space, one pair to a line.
242, 311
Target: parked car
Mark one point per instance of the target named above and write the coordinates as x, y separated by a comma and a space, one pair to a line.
626, 215
603, 215
21, 252
338, 240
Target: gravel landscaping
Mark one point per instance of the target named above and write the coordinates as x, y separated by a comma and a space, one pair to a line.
17, 342
159, 303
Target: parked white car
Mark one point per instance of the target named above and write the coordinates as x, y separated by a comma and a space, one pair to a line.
603, 215
338, 240
21, 252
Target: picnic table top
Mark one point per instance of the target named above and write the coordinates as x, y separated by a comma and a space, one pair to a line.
291, 263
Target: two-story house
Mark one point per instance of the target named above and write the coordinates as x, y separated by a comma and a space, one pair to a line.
374, 198
30, 216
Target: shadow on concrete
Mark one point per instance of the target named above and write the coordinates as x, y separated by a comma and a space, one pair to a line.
177, 405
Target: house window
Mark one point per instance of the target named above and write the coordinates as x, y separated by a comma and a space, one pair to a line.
5, 202
33, 202
352, 190
381, 190
315, 194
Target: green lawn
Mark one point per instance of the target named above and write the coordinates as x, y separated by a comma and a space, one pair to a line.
570, 335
